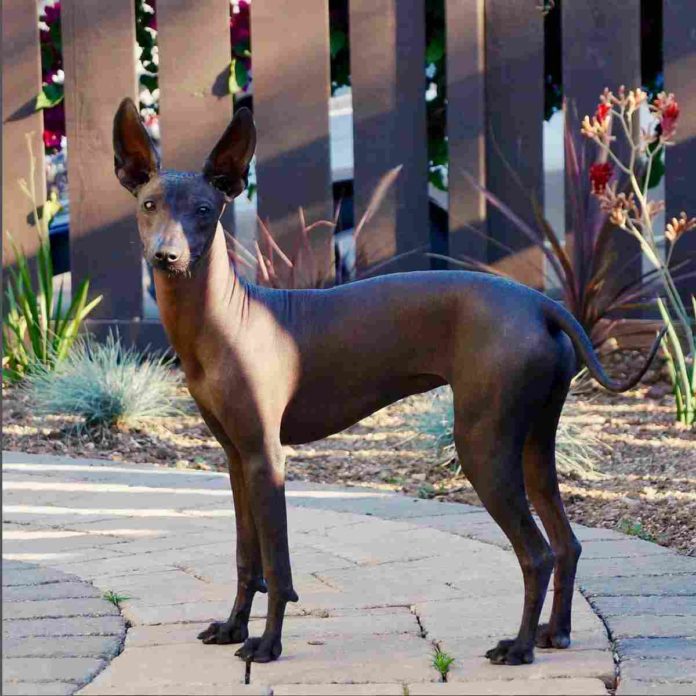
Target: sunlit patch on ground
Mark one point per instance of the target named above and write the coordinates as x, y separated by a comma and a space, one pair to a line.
643, 482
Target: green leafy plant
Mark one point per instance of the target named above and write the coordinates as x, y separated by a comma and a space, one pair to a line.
115, 598
105, 385
426, 491
442, 662
635, 529
632, 212
39, 327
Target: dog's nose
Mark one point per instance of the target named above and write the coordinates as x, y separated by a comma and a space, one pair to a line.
167, 256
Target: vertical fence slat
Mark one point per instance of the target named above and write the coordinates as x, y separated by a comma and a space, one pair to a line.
601, 48
465, 125
514, 120
290, 45
680, 77
21, 84
195, 106
387, 63
99, 59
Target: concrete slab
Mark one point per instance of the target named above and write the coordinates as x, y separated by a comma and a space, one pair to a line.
513, 687
338, 689
660, 648
75, 669
52, 608
634, 687
29, 688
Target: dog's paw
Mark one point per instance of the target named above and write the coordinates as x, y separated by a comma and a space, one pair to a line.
556, 638
264, 649
508, 652
224, 633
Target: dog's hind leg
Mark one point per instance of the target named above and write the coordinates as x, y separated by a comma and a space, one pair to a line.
490, 452
541, 482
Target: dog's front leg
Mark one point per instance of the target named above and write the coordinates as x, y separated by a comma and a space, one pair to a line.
264, 477
249, 567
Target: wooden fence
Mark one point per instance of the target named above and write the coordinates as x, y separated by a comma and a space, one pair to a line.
495, 54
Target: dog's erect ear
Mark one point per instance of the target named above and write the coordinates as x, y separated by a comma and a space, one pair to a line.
227, 165
135, 157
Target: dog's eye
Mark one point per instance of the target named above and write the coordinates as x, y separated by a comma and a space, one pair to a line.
203, 209
149, 206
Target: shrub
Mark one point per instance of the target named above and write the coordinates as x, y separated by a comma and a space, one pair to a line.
105, 385
577, 450
38, 329
633, 213
270, 265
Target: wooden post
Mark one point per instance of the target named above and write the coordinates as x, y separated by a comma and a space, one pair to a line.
389, 122
680, 77
99, 58
465, 125
514, 119
195, 104
290, 44
21, 67
601, 48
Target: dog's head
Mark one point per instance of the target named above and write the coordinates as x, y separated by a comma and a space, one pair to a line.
178, 211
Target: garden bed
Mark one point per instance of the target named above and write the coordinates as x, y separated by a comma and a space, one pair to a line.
643, 482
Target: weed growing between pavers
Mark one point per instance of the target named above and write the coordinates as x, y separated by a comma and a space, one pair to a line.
442, 662
635, 529
115, 598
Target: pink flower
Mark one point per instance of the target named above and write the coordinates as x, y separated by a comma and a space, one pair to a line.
600, 173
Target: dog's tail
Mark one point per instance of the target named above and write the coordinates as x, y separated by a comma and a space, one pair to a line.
563, 319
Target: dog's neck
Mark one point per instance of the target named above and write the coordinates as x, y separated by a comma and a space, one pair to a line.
208, 300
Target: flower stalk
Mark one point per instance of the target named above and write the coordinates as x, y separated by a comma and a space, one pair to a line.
634, 213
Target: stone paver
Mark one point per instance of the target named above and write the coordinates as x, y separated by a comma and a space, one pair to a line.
58, 632
381, 578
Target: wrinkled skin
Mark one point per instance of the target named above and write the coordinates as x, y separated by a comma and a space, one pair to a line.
274, 367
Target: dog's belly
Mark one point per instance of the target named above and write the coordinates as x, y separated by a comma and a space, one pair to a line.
308, 418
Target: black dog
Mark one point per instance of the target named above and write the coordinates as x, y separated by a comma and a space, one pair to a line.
270, 367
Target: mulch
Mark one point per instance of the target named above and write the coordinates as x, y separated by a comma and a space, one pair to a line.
643, 481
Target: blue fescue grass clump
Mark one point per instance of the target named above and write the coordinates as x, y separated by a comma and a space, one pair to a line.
105, 385
577, 448
437, 425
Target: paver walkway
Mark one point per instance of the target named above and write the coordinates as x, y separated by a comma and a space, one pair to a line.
58, 630
381, 579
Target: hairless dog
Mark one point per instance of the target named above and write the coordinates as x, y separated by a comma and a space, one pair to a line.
273, 367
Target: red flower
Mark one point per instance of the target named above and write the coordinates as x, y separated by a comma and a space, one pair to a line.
51, 139
602, 112
600, 173
670, 115
668, 109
